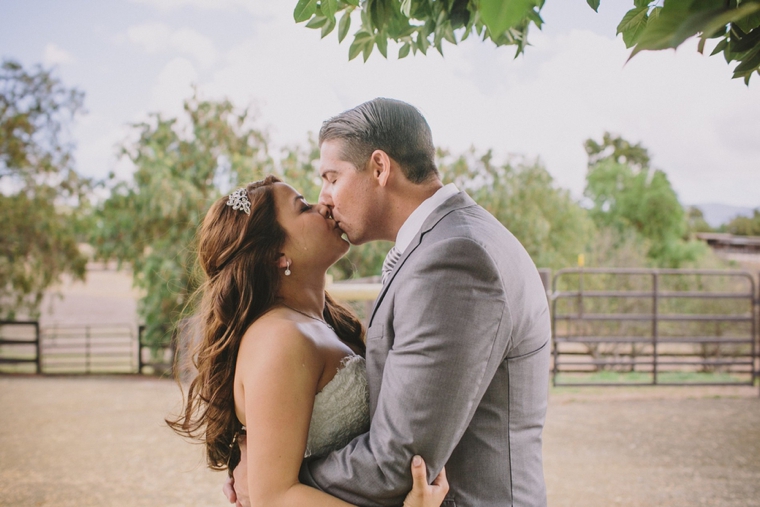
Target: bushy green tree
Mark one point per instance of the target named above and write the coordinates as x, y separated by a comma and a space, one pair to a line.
522, 195
696, 221
650, 25
181, 166
745, 226
40, 192
628, 194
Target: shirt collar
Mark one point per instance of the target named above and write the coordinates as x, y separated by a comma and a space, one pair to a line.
414, 223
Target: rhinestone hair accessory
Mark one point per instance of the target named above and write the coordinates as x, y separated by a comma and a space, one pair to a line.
239, 200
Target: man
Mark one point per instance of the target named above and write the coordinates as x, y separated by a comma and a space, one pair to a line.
458, 340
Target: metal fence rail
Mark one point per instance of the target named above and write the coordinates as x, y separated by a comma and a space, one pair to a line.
665, 325
94, 348
20, 346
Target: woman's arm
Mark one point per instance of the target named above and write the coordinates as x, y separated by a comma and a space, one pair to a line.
280, 369
421, 495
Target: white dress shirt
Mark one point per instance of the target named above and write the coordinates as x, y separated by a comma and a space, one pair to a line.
413, 224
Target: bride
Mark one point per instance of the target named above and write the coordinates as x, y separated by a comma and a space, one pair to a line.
279, 361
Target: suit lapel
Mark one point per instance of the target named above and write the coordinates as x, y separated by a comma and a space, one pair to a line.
455, 202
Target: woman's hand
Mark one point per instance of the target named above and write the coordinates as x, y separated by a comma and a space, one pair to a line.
422, 494
236, 487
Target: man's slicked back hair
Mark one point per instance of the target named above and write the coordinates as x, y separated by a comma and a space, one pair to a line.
393, 126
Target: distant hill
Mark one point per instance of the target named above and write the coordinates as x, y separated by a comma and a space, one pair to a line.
718, 214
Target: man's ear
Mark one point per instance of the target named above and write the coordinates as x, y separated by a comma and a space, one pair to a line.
380, 165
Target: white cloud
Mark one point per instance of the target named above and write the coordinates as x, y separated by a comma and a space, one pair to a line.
54, 55
152, 37
569, 87
160, 38
173, 85
192, 43
98, 154
253, 6
699, 125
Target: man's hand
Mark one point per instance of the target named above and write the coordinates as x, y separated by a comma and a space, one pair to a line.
422, 494
236, 487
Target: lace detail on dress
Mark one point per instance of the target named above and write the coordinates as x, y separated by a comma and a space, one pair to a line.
341, 409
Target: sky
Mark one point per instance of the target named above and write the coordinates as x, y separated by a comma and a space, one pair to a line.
134, 57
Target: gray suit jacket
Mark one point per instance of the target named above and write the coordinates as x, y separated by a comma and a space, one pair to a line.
458, 368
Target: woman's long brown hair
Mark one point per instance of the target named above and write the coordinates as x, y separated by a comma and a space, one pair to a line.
238, 254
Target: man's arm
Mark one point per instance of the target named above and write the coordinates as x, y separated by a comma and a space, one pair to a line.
449, 307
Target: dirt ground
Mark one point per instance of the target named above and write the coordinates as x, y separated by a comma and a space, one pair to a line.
101, 441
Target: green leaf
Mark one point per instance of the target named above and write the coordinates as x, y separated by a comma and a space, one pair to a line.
382, 45
379, 13
701, 45
730, 16
355, 3
594, 4
632, 19
362, 35
499, 15
329, 7
304, 10
676, 23
422, 43
655, 13
406, 8
448, 33
316, 22
719, 47
367, 50
403, 51
750, 63
536, 18
439, 46
344, 25
467, 32
749, 22
355, 49
329, 27
641, 3
747, 42
632, 25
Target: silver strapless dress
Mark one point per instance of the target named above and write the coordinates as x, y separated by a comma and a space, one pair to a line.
341, 409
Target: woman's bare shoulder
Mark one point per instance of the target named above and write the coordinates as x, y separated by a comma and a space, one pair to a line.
276, 338
275, 359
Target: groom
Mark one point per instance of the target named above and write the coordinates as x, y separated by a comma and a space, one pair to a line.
458, 340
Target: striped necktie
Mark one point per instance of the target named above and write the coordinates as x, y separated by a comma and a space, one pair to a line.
390, 262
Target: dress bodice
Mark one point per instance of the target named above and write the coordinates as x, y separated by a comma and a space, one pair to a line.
341, 409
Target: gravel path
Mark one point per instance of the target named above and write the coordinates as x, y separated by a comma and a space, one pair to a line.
101, 441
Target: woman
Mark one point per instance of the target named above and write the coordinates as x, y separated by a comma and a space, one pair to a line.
277, 355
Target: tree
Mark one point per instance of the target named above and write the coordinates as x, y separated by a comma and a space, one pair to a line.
521, 194
41, 195
696, 221
181, 166
745, 226
627, 194
650, 25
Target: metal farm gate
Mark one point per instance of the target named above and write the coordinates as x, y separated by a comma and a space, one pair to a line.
20, 346
25, 347
653, 327
94, 348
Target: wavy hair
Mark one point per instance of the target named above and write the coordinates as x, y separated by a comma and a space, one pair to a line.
238, 254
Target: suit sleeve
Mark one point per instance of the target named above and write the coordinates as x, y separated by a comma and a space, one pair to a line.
449, 308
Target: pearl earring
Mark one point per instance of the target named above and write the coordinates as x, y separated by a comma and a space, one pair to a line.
287, 269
